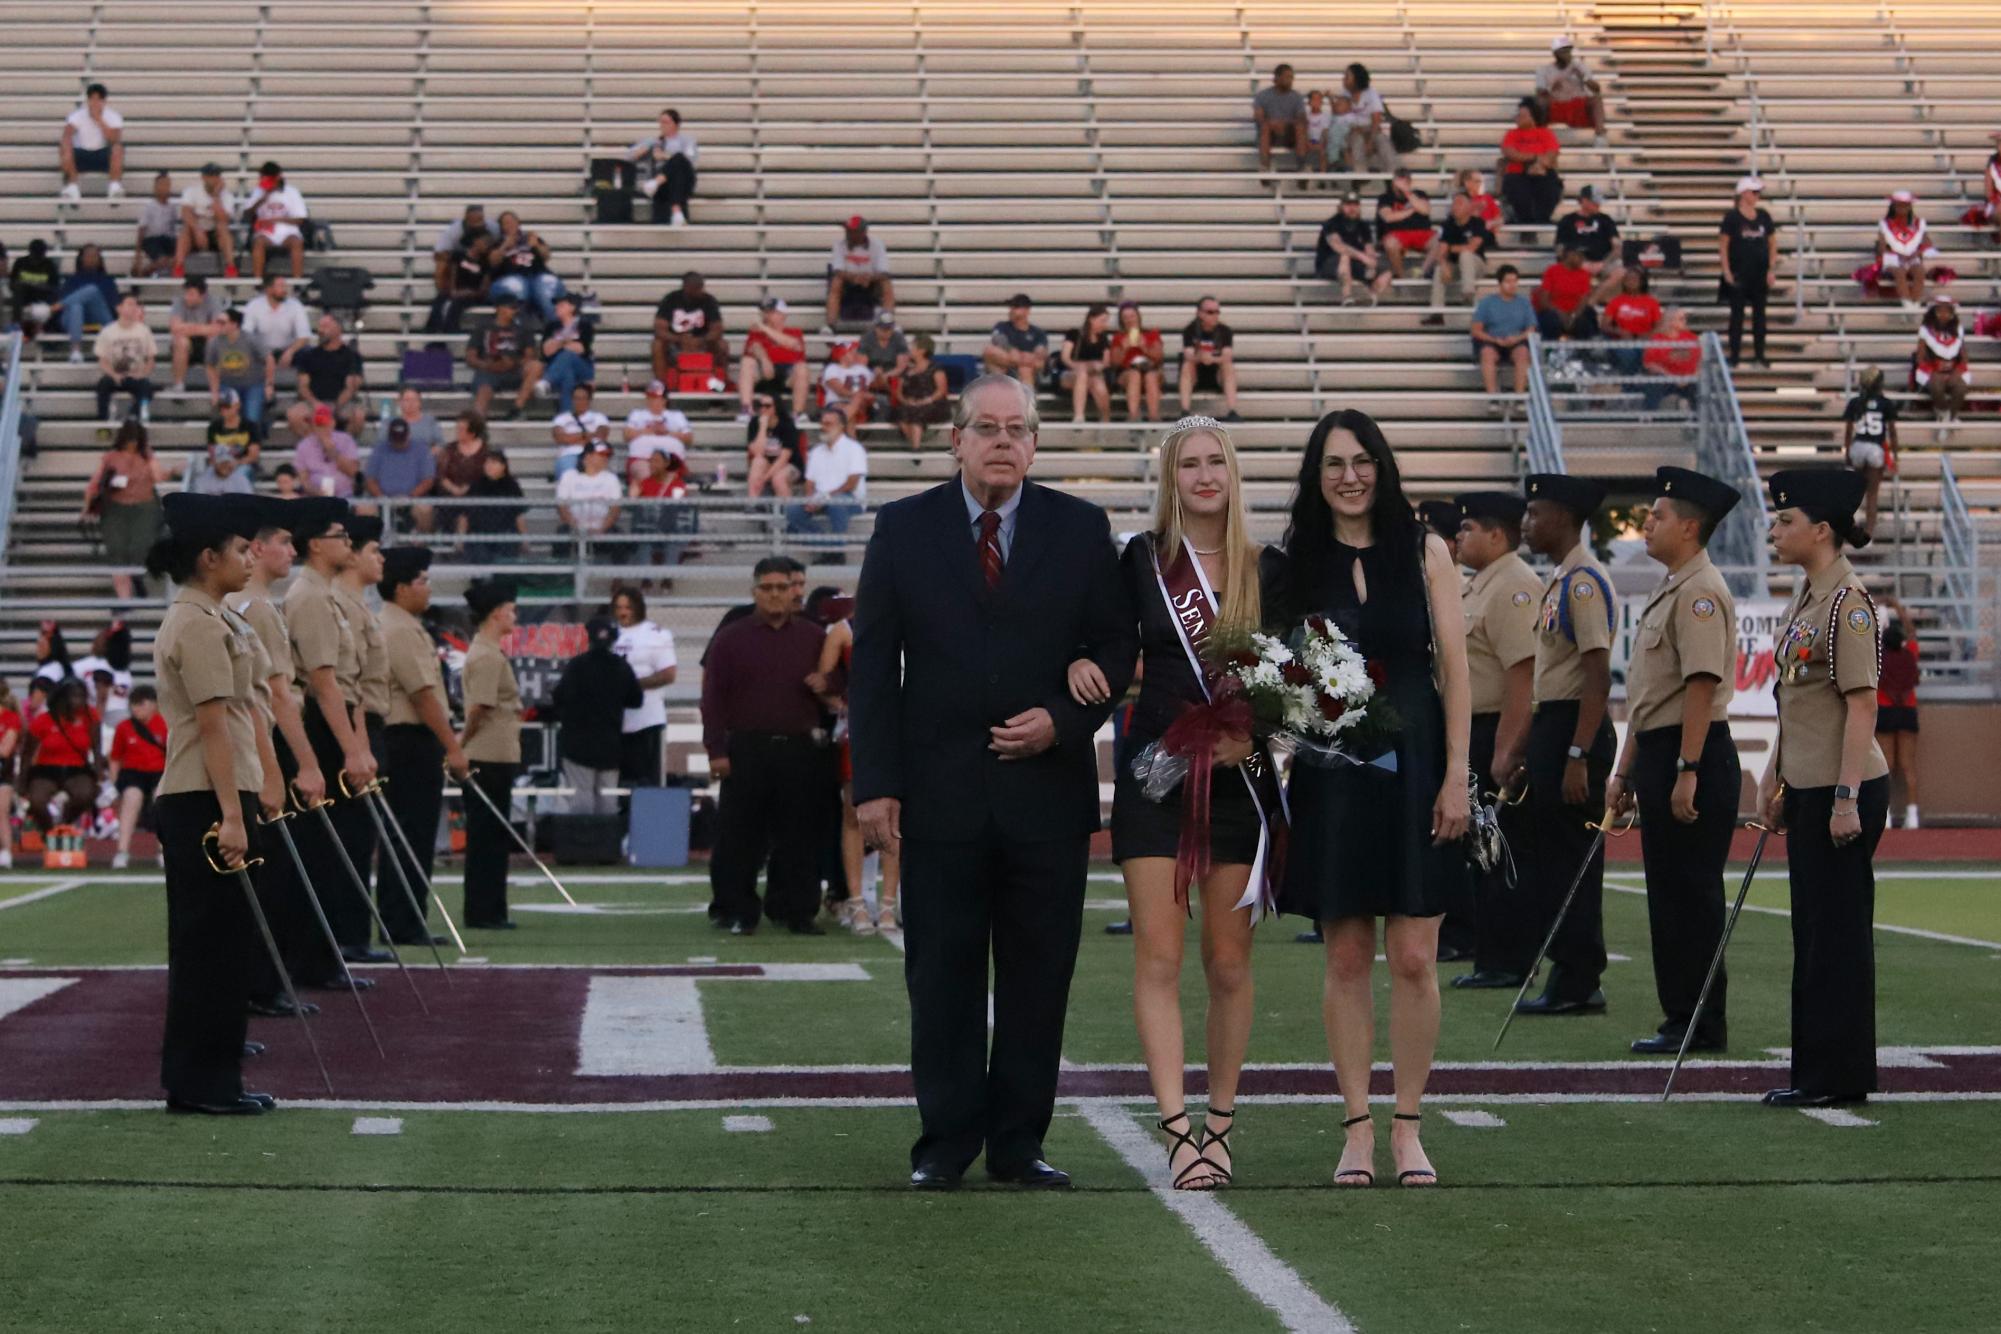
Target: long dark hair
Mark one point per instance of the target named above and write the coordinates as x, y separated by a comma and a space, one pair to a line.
1309, 533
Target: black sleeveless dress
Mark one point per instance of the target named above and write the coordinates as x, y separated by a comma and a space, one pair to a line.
1142, 827
1361, 835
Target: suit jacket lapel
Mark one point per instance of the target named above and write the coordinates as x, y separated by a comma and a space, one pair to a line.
1031, 538
954, 534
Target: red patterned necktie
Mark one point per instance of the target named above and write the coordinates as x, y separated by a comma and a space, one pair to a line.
991, 563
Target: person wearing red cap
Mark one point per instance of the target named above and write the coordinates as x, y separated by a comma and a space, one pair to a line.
328, 459
859, 262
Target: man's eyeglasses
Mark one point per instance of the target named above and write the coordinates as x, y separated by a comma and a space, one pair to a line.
1019, 432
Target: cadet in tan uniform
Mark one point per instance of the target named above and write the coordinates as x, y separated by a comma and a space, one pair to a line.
1570, 742
417, 739
1680, 765
216, 776
1828, 787
371, 700
492, 742
1500, 606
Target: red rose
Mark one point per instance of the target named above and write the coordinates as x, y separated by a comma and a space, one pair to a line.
1331, 709
1317, 623
1377, 672
1243, 657
1295, 675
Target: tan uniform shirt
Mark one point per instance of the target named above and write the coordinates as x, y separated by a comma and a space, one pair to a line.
1688, 628
200, 656
321, 635
1500, 608
261, 670
1577, 616
269, 623
1832, 644
374, 681
413, 665
489, 680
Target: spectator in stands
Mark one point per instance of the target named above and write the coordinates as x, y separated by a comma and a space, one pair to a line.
859, 264
1474, 182
278, 221
1592, 233
328, 458
156, 241
137, 759
1989, 212
1531, 187
1403, 224
126, 352
230, 427
924, 394
93, 140
502, 356
236, 363
1939, 366
1209, 358
1346, 251
667, 163
1903, 248
688, 321
454, 240
11, 738
1137, 358
774, 356
595, 689
400, 468
1086, 352
1631, 317
1566, 94
887, 352
468, 281
1563, 300
191, 321
587, 498
665, 478
836, 479
1319, 124
32, 285
460, 466
1749, 243
1502, 322
330, 376
846, 383
772, 445
1278, 113
1017, 347
63, 758
285, 482
88, 296
221, 473
520, 261
498, 526
277, 323
1459, 252
124, 495
576, 428
1897, 702
655, 428
425, 434
566, 351
1369, 144
208, 210
1869, 438
1674, 359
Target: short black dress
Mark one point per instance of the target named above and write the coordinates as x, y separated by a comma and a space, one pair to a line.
1142, 827
1361, 836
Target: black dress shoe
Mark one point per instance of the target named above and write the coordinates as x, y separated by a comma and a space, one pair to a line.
264, 1099
1486, 979
1547, 1004
279, 1007
1453, 953
1033, 1175
930, 1177
352, 954
253, 1048
809, 927
1802, 1098
1124, 928
341, 982
234, 1107
1669, 1044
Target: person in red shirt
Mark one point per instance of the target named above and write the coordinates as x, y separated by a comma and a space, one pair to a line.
63, 758
666, 479
1897, 704
1530, 185
1136, 357
1563, 299
10, 750
773, 351
1674, 355
1631, 316
1473, 182
138, 758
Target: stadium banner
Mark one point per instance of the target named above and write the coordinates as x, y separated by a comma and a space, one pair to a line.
1757, 635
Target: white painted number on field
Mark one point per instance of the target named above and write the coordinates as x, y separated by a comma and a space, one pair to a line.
655, 1025
1837, 1117
1474, 1120
17, 1125
378, 1125
747, 1125
18, 993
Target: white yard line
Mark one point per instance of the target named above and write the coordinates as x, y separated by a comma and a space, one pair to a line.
1474, 1119
17, 993
1839, 1117
47, 892
747, 1125
377, 1125
1940, 936
1272, 1282
17, 1125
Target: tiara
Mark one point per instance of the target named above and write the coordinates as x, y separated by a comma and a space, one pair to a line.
1196, 423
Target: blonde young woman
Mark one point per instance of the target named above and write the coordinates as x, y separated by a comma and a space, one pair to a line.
1197, 554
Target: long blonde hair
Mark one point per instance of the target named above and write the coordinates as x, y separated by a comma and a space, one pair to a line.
1237, 590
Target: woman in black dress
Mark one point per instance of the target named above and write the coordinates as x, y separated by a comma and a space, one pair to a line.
1378, 839
1199, 542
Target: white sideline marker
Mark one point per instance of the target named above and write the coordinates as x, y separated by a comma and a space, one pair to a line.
17, 993
17, 1125
747, 1125
1474, 1120
378, 1125
1838, 1117
1274, 1283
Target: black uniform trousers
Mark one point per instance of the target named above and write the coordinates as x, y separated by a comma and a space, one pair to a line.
488, 845
210, 936
346, 913
1834, 954
772, 799
1504, 923
414, 761
1023, 901
639, 757
1750, 293
1684, 864
1562, 835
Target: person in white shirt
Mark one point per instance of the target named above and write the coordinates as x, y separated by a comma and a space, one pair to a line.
846, 382
667, 163
1319, 120
1568, 93
858, 261
836, 479
578, 428
208, 207
1368, 122
654, 428
280, 220
93, 140
649, 650
277, 323
586, 500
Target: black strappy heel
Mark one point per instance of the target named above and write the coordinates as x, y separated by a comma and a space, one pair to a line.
1221, 1137
1367, 1176
1181, 1137
1404, 1178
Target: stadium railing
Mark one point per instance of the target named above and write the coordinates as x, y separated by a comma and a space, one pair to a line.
10, 440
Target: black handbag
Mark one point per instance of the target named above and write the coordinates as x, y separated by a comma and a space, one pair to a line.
1403, 135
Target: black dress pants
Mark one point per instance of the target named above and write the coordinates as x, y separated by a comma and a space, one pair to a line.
772, 799
488, 845
639, 757
1562, 836
1503, 917
300, 935
414, 762
1834, 953
1684, 864
676, 189
1023, 902
211, 935
1749, 293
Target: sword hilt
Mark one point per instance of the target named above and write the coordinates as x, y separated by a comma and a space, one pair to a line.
279, 818
1610, 827
302, 805
211, 849
349, 792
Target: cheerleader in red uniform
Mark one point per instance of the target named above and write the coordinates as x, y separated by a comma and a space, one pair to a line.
1904, 248
1939, 366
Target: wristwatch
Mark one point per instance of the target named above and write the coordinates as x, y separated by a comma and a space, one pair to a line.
1682, 766
1842, 792
1576, 752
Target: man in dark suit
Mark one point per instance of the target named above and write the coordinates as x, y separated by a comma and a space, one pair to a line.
968, 750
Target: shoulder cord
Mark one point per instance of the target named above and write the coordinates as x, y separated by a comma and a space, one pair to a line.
1834, 624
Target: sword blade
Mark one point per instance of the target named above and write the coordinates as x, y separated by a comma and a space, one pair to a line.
519, 841
403, 841
368, 901
403, 879
284, 977
1716, 961
326, 927
1550, 939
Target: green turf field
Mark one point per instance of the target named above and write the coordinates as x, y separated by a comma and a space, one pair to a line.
1557, 1213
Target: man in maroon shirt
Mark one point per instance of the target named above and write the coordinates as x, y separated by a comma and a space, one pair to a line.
760, 726
1563, 301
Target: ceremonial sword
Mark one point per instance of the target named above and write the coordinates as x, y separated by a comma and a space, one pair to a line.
319, 808
1603, 826
211, 846
382, 833
1716, 963
521, 842
319, 914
